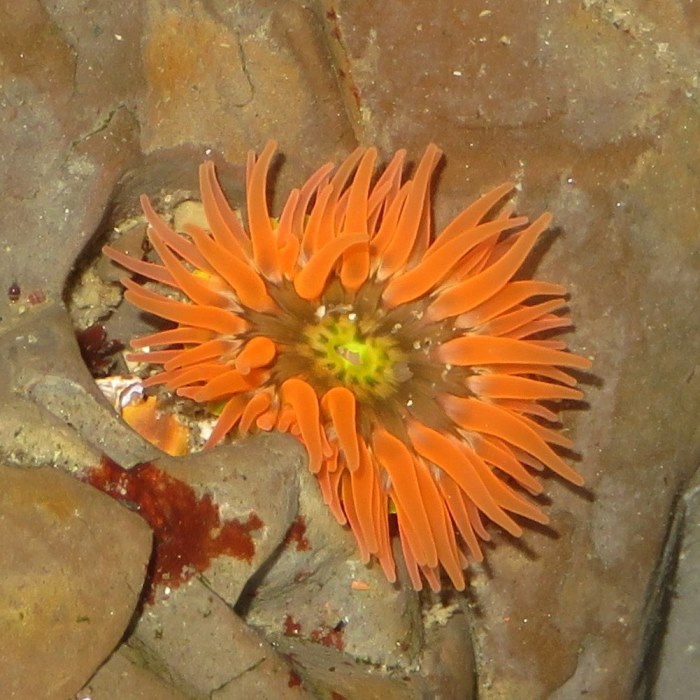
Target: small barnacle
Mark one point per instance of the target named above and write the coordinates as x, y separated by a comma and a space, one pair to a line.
36, 296
14, 292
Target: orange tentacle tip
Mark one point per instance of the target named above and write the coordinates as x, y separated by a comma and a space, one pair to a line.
160, 428
357, 585
410, 363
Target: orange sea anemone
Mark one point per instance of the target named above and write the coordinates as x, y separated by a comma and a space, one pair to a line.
412, 369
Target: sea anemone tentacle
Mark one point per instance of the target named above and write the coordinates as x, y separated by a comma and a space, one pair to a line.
412, 367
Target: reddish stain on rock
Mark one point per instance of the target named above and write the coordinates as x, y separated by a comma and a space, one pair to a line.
294, 680
187, 531
297, 533
291, 628
337, 696
96, 349
36, 296
329, 637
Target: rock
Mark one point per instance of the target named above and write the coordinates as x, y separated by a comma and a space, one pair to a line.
272, 679
197, 640
73, 563
565, 609
591, 109
673, 672
123, 677
221, 516
54, 412
310, 606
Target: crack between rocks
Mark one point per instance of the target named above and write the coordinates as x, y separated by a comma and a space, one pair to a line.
101, 125
246, 73
658, 602
72, 398
248, 669
337, 50
220, 19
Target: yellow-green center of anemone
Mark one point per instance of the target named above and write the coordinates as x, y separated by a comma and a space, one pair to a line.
345, 354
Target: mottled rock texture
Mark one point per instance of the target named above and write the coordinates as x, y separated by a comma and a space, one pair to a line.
590, 107
73, 563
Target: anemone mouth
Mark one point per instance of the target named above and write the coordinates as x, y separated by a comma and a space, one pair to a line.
385, 356
412, 368
345, 350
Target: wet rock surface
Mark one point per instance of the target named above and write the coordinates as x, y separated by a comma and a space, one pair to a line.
319, 607
677, 659
590, 107
73, 563
123, 676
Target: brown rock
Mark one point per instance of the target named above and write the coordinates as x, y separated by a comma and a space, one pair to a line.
54, 414
271, 679
254, 483
308, 594
590, 107
447, 665
188, 624
194, 638
122, 677
309, 607
592, 110
251, 74
72, 566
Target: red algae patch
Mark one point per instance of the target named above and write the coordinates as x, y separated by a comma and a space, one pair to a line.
294, 680
187, 530
327, 636
97, 350
291, 627
297, 534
